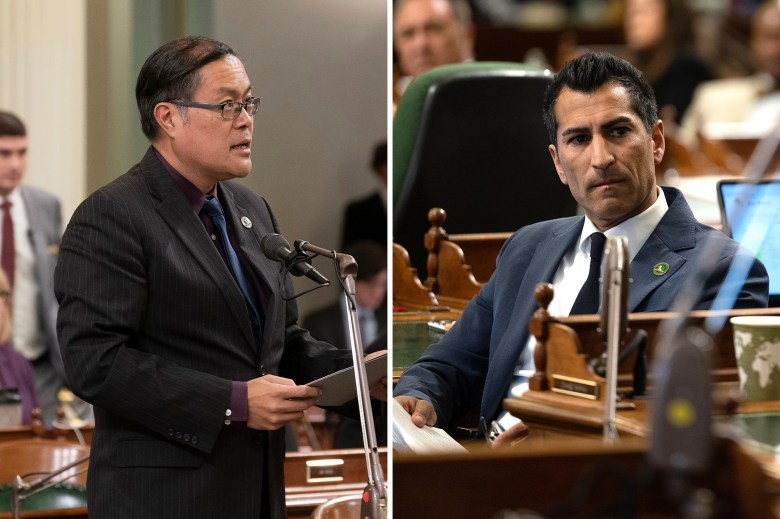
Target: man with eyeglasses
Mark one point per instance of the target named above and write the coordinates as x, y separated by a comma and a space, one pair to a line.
172, 321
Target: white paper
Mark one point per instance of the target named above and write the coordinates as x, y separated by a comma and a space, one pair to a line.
340, 387
407, 437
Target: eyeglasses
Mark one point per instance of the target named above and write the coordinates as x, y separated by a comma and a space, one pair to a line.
229, 109
5, 295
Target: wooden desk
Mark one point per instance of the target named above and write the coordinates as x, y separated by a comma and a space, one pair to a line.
65, 513
412, 335
25, 432
458, 265
304, 493
486, 481
30, 455
577, 477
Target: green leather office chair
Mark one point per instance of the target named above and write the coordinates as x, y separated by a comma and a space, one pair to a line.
470, 138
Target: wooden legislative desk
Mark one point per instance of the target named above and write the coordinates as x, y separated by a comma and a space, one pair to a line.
564, 459
412, 335
36, 455
342, 472
579, 477
311, 478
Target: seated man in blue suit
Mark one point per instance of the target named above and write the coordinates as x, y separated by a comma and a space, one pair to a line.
606, 140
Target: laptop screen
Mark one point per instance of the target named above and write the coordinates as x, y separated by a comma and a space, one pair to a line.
750, 213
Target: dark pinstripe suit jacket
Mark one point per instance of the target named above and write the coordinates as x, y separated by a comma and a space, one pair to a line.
153, 330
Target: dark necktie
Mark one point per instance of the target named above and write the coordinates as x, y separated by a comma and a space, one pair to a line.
588, 299
8, 254
213, 208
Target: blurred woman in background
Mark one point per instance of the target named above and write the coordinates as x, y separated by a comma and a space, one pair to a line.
661, 36
15, 370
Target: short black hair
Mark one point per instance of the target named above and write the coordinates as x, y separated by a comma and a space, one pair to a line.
370, 257
590, 72
11, 125
379, 156
171, 72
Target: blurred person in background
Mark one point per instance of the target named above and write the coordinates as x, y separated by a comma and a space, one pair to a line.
16, 372
29, 246
430, 33
661, 37
366, 218
753, 101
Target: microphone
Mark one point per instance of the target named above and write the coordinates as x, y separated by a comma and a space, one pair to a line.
276, 248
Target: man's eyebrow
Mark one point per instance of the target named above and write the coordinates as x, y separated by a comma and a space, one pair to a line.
616, 120
576, 130
232, 91
604, 126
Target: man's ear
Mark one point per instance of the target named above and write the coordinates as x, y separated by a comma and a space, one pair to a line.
659, 142
168, 118
558, 166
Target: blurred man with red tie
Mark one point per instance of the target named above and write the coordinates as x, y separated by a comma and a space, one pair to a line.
29, 243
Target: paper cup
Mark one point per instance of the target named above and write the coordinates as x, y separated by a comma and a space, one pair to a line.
757, 350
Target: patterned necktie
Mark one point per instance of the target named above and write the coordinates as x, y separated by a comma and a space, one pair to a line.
213, 208
588, 299
8, 254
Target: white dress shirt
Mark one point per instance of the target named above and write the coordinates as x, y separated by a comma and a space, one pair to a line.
27, 336
572, 274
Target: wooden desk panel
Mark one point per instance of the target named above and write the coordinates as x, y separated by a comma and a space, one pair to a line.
410, 339
533, 476
574, 477
303, 496
24, 432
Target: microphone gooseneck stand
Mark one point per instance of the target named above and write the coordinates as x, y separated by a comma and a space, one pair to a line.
374, 500
615, 283
22, 489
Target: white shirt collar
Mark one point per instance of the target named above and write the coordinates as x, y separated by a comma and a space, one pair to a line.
637, 228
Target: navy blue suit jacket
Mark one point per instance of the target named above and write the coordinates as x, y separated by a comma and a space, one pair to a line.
474, 361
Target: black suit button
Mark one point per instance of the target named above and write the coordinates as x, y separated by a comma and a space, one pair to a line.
259, 437
194, 440
170, 433
262, 370
178, 435
186, 437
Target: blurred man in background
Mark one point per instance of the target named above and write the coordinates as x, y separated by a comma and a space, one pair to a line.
29, 244
430, 33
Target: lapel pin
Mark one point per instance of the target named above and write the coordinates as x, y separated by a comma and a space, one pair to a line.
246, 222
661, 268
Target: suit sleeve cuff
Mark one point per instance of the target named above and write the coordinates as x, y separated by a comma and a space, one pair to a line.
238, 411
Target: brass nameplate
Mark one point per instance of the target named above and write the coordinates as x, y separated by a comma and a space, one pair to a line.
575, 387
322, 471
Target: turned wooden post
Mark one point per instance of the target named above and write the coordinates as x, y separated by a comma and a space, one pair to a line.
538, 326
436, 217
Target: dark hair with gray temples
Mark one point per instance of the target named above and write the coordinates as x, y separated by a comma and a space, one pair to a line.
11, 126
590, 72
171, 72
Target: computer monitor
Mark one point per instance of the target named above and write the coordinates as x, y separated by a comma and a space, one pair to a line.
750, 213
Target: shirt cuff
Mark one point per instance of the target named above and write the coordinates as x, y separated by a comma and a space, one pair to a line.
239, 407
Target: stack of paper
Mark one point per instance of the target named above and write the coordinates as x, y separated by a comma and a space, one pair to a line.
407, 437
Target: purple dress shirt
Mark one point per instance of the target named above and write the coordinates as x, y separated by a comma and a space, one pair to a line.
16, 371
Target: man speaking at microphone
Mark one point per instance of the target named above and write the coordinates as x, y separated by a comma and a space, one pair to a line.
172, 321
